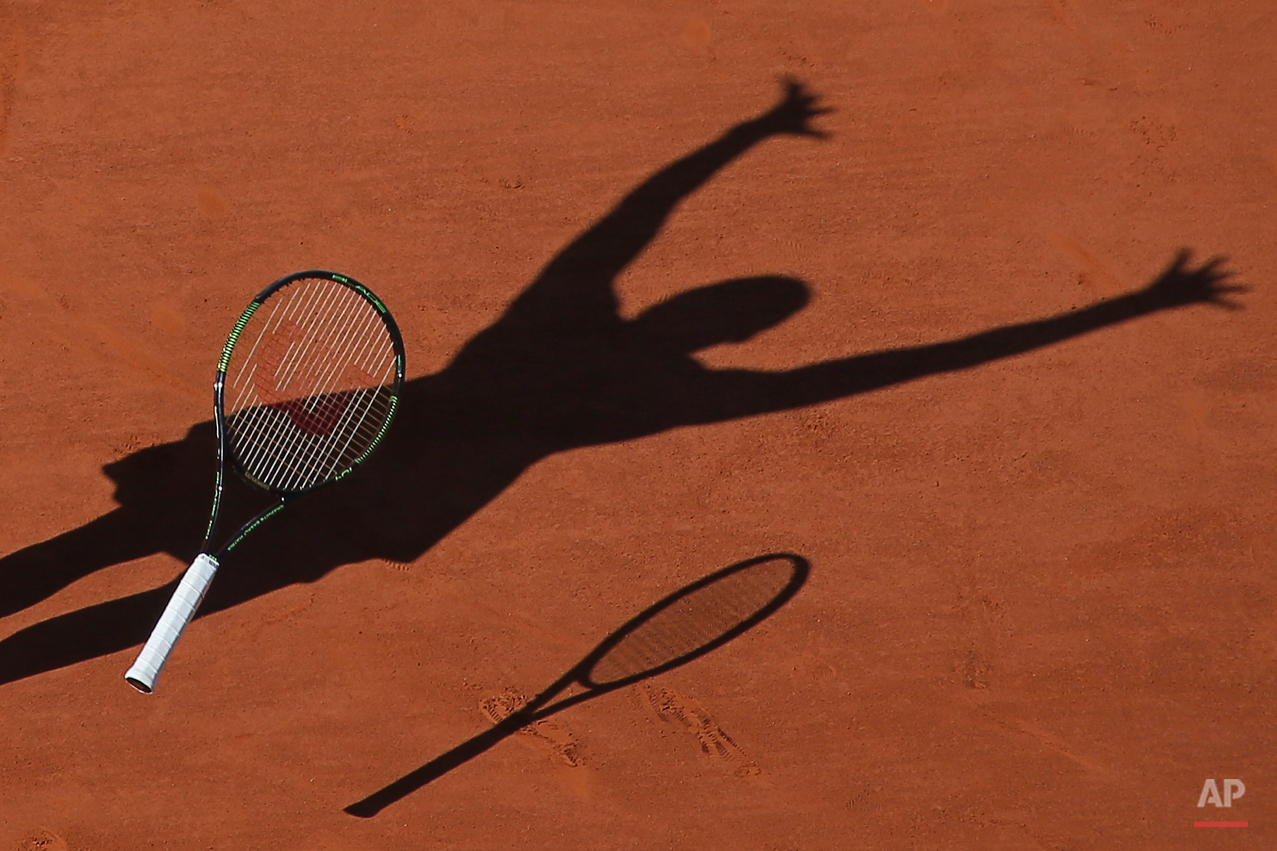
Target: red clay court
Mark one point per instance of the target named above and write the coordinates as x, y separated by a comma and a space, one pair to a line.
874, 402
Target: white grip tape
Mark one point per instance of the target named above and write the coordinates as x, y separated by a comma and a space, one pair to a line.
177, 614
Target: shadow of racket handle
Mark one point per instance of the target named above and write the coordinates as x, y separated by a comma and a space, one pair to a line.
177, 614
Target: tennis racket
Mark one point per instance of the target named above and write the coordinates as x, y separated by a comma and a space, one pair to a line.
683, 626
306, 388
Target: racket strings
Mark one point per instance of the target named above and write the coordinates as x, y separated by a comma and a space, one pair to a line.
297, 444
314, 388
285, 311
294, 318
287, 340
307, 434
326, 411
692, 622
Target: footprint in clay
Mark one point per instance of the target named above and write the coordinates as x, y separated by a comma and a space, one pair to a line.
548, 737
690, 716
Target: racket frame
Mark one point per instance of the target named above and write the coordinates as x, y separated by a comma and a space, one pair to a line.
181, 608
224, 451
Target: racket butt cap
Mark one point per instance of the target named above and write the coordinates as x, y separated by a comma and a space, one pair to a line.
139, 685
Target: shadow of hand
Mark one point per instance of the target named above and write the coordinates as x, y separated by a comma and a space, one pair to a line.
1180, 285
793, 115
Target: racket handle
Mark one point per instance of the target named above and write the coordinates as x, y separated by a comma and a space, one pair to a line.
177, 614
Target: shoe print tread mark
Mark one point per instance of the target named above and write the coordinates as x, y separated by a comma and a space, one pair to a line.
689, 715
545, 735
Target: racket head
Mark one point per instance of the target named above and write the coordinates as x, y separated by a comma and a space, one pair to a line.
694, 620
308, 382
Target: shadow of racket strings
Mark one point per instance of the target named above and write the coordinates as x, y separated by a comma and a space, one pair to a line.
687, 624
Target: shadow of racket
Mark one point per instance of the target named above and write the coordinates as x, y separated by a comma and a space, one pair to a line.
685, 625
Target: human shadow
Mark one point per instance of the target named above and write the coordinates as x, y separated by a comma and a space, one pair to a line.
683, 626
559, 370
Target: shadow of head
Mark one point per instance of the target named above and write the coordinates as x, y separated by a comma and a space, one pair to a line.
727, 312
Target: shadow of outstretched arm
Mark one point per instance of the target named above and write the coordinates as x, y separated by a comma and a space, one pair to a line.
1179, 285
577, 285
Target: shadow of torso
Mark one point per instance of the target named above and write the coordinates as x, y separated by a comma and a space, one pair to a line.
514, 395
